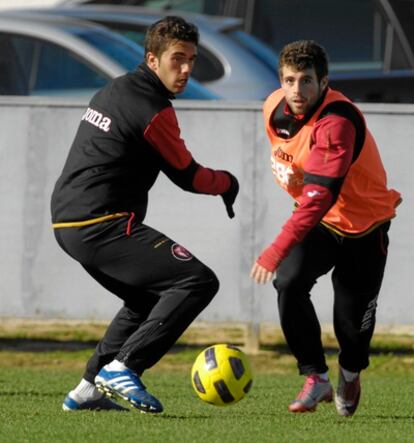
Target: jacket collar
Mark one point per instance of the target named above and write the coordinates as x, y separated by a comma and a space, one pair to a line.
286, 124
154, 80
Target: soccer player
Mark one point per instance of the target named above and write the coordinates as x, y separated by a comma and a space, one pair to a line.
323, 155
127, 135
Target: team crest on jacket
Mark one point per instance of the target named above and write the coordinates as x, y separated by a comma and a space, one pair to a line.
180, 253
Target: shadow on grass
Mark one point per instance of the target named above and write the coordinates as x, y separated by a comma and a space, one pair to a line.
391, 418
44, 345
30, 393
333, 350
49, 345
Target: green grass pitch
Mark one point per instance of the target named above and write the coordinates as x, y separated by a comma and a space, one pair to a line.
34, 384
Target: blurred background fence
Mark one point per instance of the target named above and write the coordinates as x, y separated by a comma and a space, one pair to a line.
39, 281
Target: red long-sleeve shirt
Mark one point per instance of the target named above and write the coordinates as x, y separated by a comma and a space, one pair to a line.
331, 154
163, 133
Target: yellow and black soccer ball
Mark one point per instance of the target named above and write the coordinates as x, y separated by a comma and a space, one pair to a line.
221, 375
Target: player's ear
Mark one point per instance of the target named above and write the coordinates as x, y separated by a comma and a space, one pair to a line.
324, 82
152, 60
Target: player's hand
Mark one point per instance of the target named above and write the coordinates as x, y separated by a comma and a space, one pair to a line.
265, 267
260, 274
230, 195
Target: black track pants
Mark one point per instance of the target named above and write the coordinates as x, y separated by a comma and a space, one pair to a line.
163, 286
358, 267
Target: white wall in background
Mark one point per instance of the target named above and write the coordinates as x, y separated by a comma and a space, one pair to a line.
39, 280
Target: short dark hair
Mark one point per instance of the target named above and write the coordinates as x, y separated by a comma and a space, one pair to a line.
168, 30
305, 54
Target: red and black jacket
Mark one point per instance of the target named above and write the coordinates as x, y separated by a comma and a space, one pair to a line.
128, 134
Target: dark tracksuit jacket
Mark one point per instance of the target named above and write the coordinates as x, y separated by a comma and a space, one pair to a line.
128, 134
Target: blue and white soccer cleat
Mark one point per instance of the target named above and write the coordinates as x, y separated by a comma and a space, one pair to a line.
127, 385
101, 404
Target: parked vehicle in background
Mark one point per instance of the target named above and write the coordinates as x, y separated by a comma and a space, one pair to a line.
370, 42
369, 45
225, 65
231, 27
52, 55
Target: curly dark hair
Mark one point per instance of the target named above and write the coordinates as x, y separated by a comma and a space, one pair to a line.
305, 54
170, 29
